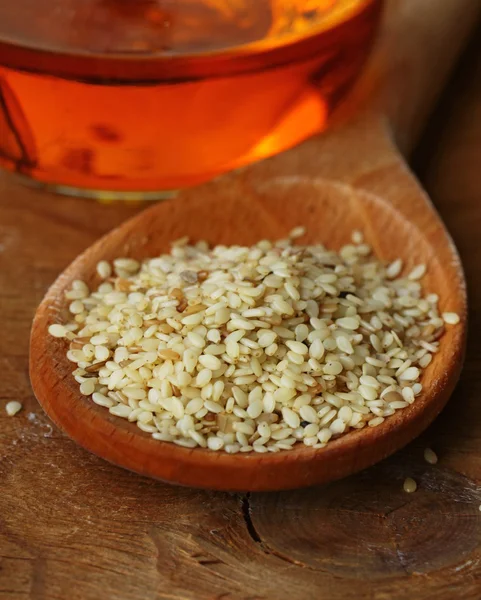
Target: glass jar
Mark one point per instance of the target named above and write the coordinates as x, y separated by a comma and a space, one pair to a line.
140, 96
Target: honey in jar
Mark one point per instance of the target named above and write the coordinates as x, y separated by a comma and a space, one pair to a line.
147, 95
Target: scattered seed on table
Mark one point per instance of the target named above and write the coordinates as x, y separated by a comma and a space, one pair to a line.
13, 407
430, 456
410, 485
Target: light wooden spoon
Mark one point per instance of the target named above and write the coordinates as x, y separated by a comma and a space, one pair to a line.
352, 178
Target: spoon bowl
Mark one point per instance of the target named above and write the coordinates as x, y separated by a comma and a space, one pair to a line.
353, 177
243, 208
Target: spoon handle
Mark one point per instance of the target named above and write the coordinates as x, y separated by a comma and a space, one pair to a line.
417, 47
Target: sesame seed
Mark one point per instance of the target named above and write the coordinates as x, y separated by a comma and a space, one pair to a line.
297, 347
430, 456
348, 322
410, 374
451, 318
104, 269
87, 387
210, 362
297, 232
417, 273
410, 485
57, 331
394, 269
102, 400
290, 417
308, 413
13, 407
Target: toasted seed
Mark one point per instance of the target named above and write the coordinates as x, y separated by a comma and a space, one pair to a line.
253, 349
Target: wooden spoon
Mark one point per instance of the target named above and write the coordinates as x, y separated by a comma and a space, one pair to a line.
351, 178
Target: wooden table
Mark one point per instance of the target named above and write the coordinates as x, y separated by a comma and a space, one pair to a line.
74, 527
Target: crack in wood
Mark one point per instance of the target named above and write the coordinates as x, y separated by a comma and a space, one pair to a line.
253, 533
246, 513
206, 562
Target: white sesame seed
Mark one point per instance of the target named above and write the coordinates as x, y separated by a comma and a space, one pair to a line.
269, 403
430, 456
451, 318
98, 340
185, 442
76, 307
213, 406
195, 339
101, 353
408, 394
190, 359
255, 408
87, 387
417, 388
210, 362
316, 349
348, 323
410, 374
337, 426
345, 413
324, 435
215, 443
308, 413
333, 368
13, 407
357, 237
290, 417
344, 344
104, 269
394, 269
417, 273
310, 430
102, 400
297, 232
425, 360
282, 307
57, 331
120, 410
370, 381
297, 347
203, 377
410, 485
198, 438
80, 285
145, 416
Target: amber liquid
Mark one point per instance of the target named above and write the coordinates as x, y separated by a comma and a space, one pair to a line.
115, 135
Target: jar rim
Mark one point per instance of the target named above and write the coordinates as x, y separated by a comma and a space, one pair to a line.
142, 67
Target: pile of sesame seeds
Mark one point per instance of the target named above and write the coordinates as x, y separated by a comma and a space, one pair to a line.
255, 348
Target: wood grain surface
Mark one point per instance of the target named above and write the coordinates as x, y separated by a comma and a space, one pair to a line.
72, 526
